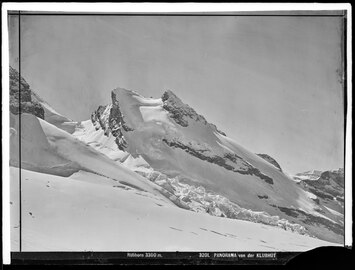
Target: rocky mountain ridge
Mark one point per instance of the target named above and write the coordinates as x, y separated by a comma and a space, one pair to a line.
329, 185
21, 100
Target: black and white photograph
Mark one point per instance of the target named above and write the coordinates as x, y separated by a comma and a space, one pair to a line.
222, 133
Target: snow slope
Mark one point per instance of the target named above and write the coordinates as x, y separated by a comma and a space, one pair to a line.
53, 117
87, 133
180, 144
87, 212
46, 148
309, 175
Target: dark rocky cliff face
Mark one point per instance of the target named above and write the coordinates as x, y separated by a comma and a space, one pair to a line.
270, 160
337, 177
181, 112
21, 96
110, 119
329, 191
116, 115
233, 160
329, 186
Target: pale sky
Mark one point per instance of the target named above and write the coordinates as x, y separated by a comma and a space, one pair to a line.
271, 83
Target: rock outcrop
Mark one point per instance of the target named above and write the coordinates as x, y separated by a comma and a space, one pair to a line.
110, 119
270, 160
231, 162
21, 96
181, 112
329, 186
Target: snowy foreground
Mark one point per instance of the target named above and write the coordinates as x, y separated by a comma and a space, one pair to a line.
88, 212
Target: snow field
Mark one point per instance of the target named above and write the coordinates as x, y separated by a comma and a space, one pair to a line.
74, 214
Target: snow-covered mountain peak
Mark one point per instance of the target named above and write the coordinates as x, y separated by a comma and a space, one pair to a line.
188, 153
120, 91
